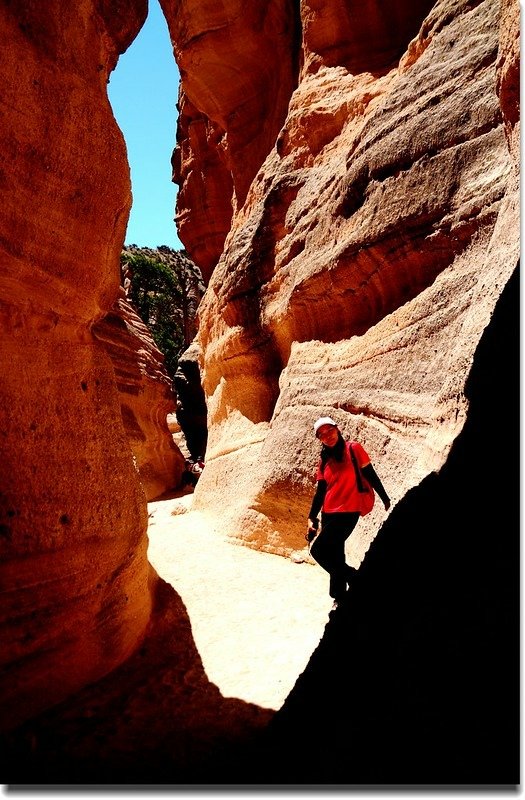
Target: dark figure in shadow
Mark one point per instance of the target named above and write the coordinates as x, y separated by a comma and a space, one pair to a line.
191, 409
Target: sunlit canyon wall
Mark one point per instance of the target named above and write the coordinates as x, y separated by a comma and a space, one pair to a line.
374, 224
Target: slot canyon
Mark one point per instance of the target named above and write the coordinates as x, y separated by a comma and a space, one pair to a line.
348, 185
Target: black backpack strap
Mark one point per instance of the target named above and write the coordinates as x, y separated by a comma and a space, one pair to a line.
360, 486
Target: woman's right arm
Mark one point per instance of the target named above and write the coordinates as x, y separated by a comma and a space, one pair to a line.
317, 504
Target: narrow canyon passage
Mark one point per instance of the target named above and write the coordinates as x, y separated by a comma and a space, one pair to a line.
349, 190
256, 617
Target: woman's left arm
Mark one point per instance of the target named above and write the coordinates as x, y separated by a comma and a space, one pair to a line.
374, 481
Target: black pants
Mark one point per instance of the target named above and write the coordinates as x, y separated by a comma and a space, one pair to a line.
328, 549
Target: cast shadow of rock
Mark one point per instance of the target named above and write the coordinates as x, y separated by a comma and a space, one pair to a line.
156, 719
416, 680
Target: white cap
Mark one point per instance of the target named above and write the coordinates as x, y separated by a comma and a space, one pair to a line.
323, 421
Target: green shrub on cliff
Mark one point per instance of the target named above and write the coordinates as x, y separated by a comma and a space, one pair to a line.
165, 288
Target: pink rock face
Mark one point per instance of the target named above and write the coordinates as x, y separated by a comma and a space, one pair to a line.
364, 265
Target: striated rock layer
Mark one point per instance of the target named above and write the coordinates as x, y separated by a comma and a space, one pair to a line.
365, 263
237, 63
75, 581
146, 397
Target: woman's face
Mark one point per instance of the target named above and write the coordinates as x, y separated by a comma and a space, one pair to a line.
328, 434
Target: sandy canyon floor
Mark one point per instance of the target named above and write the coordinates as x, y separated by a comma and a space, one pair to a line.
256, 618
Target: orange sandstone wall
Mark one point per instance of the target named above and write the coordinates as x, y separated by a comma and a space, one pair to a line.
74, 576
238, 66
146, 397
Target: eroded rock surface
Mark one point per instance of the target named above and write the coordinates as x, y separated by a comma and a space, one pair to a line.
364, 265
237, 63
146, 397
74, 575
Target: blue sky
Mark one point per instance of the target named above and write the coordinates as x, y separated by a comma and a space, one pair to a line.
143, 91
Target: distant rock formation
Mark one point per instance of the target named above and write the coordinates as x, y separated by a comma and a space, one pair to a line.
189, 401
189, 278
146, 397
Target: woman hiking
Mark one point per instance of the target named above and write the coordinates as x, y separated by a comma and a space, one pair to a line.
339, 497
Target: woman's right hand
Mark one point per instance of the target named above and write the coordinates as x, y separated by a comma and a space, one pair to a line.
311, 531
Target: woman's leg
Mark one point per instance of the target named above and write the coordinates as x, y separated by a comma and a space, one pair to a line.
328, 549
